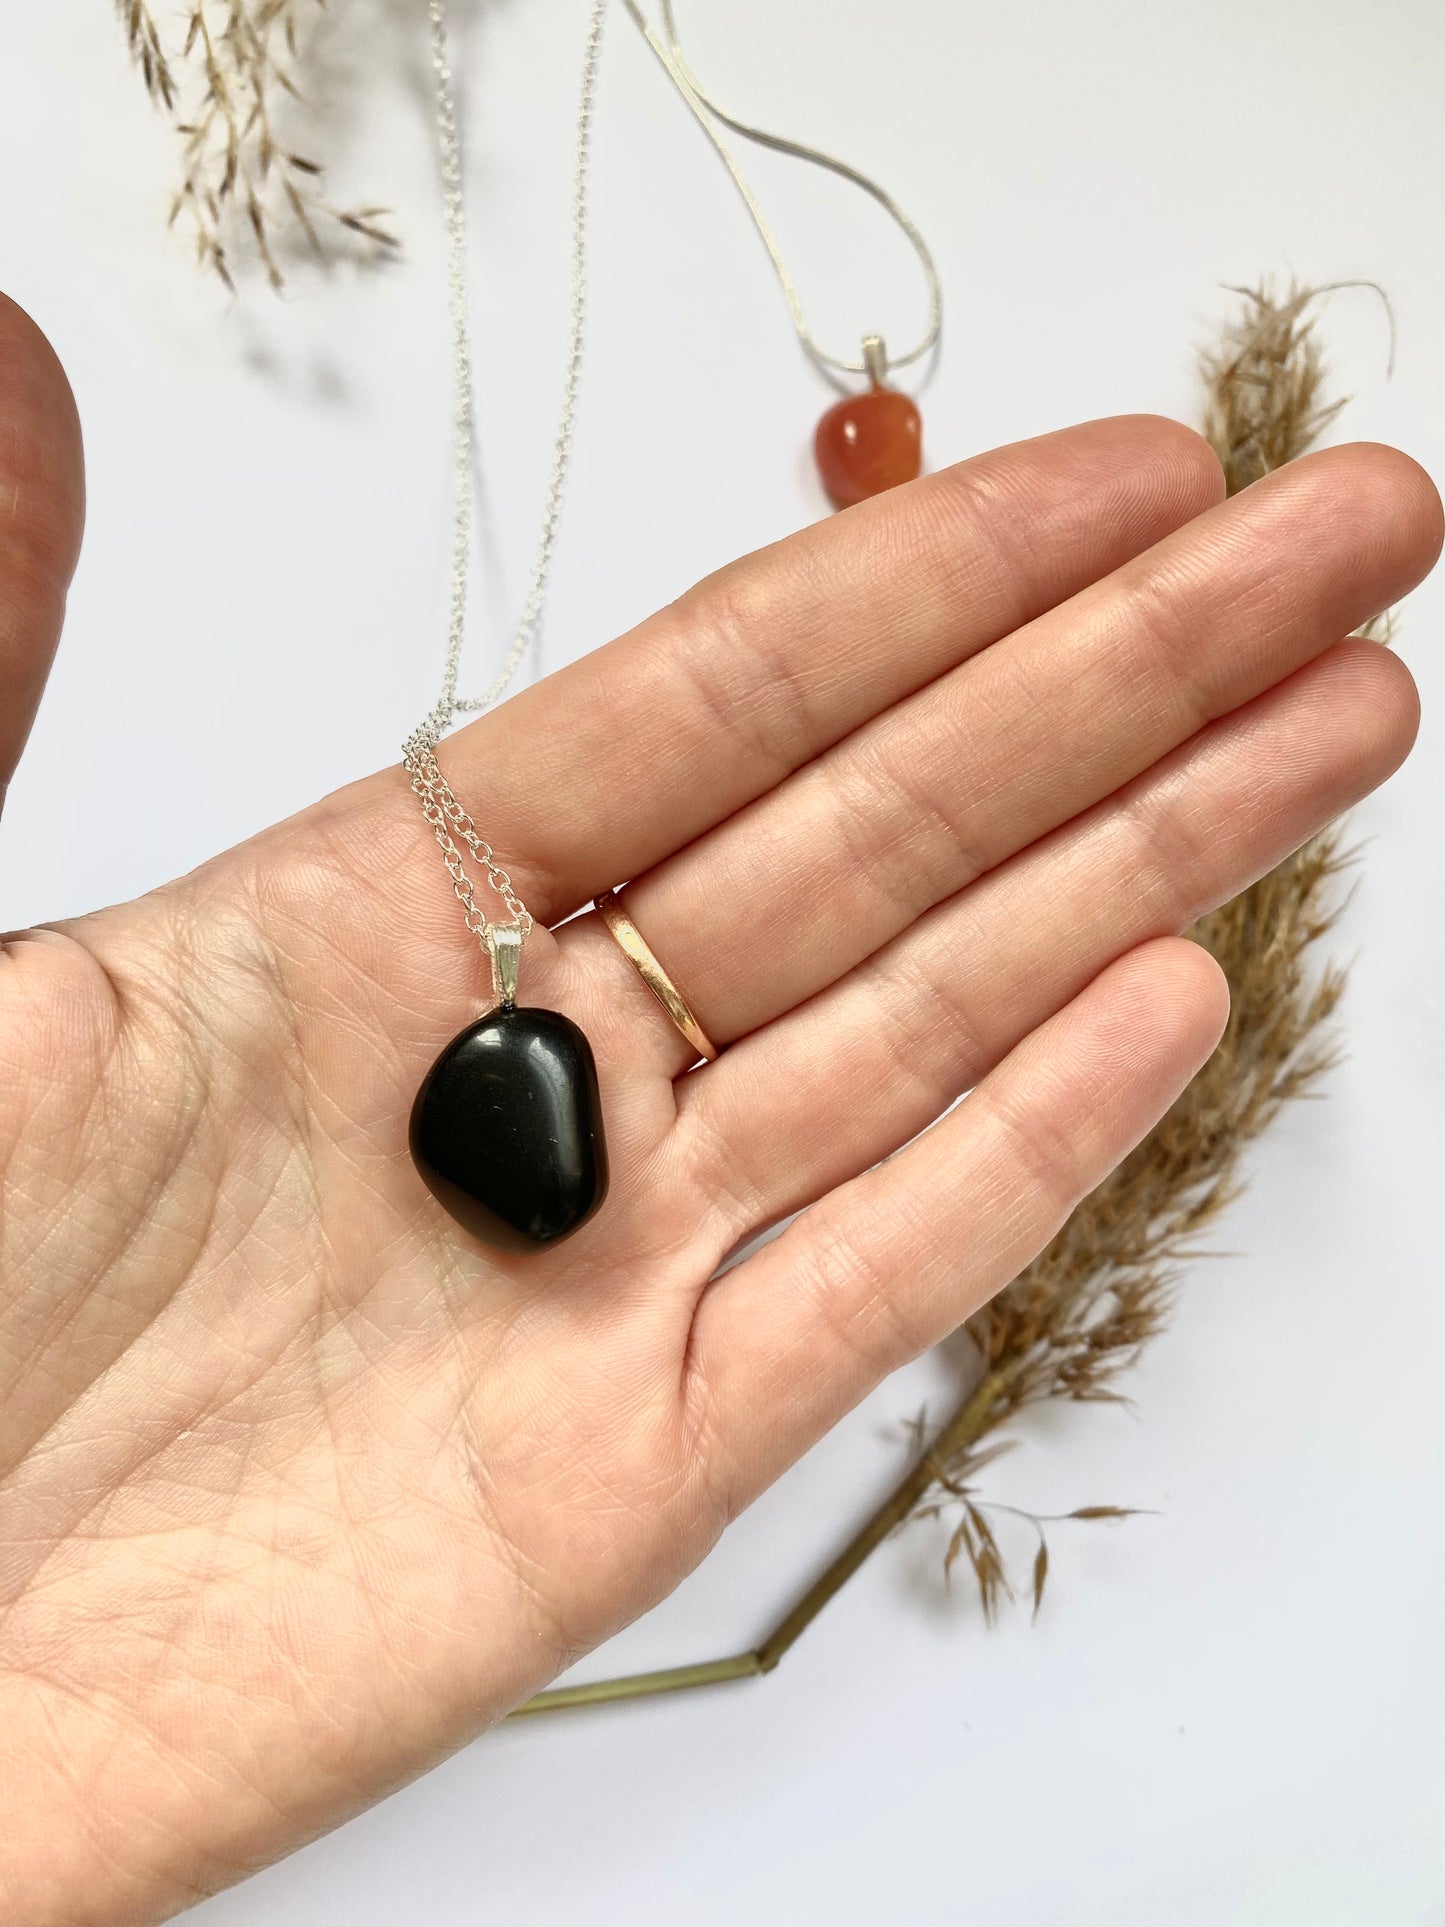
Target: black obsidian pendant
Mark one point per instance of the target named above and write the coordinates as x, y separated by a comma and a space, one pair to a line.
507, 1129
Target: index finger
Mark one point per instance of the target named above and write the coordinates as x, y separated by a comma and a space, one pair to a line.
608, 766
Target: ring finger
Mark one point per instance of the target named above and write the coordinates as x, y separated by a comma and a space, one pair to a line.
890, 1046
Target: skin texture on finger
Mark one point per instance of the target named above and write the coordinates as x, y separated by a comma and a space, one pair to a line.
922, 799
607, 766
897, 1040
892, 1261
42, 509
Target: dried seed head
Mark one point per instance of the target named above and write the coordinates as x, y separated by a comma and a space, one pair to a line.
242, 186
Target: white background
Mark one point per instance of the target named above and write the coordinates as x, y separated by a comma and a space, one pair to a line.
1232, 1710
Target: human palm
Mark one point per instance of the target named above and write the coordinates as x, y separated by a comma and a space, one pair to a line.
299, 1487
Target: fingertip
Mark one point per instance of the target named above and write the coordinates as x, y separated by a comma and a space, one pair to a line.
1403, 489
1189, 470
1204, 995
1172, 992
1149, 471
1382, 700
1386, 505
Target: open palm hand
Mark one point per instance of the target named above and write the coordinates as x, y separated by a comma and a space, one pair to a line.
299, 1487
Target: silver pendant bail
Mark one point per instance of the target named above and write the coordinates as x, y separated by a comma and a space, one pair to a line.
504, 947
875, 360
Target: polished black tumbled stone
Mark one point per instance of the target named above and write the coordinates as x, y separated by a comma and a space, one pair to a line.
507, 1129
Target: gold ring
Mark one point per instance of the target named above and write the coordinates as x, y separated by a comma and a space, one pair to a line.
634, 947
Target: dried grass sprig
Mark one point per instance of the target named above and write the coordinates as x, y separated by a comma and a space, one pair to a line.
227, 80
1264, 380
1077, 1319
144, 40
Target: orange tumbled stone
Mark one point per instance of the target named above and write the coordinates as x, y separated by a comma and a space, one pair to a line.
866, 443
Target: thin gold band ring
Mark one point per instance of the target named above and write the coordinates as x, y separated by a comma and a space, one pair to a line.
634, 946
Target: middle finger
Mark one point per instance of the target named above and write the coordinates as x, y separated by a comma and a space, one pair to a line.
792, 892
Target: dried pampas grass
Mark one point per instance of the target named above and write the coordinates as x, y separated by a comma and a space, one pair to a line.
1078, 1317
225, 76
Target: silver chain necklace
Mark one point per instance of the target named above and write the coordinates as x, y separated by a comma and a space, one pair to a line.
519, 1162
449, 821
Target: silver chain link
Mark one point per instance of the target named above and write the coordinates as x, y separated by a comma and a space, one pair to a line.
449, 821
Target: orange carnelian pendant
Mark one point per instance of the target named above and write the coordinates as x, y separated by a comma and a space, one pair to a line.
866, 443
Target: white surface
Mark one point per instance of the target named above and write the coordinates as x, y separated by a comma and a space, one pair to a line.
1231, 1711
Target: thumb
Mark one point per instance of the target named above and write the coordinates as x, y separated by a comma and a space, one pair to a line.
42, 508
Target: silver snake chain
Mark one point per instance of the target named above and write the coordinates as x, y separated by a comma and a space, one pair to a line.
449, 820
